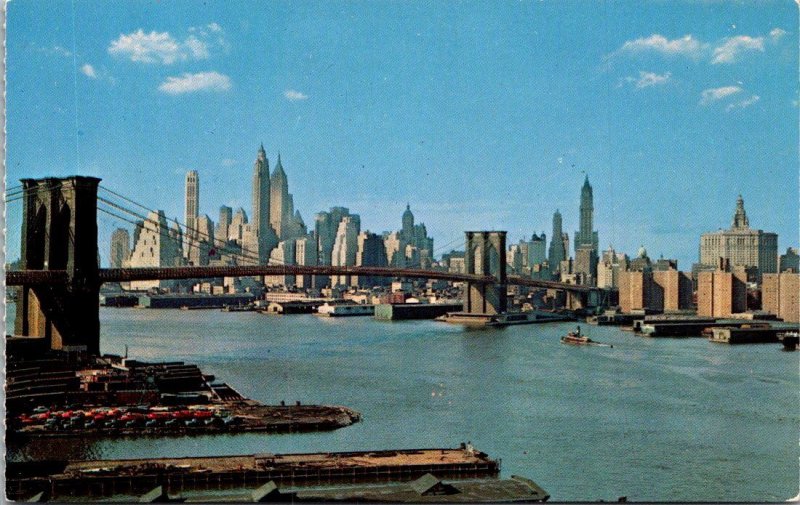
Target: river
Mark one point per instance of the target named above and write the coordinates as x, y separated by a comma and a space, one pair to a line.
650, 419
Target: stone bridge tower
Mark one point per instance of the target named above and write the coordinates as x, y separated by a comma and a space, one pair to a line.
59, 232
485, 254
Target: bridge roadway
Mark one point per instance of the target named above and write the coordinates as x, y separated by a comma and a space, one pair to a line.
40, 277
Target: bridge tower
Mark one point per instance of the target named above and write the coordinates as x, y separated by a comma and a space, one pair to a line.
485, 254
59, 232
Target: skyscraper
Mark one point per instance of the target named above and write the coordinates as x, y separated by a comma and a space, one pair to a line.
285, 221
261, 192
557, 252
370, 253
586, 237
225, 217
345, 247
265, 237
279, 199
741, 245
120, 247
192, 201
191, 211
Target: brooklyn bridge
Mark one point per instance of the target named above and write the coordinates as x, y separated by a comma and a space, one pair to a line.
60, 277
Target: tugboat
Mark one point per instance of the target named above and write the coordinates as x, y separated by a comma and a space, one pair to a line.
576, 338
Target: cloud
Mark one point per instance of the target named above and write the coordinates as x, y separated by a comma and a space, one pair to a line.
647, 79
147, 47
732, 47
294, 95
88, 71
228, 162
161, 47
189, 83
777, 33
714, 94
744, 103
684, 46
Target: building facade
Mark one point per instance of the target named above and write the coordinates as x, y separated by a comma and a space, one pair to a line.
741, 245
557, 252
345, 248
157, 245
721, 293
780, 295
120, 247
586, 237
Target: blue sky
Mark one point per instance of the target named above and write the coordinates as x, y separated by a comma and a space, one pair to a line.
482, 115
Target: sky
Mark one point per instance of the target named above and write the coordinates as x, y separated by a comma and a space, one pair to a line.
480, 115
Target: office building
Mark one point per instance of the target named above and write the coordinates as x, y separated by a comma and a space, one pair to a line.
120, 247
345, 247
741, 245
558, 246
157, 245
586, 237
371, 252
789, 262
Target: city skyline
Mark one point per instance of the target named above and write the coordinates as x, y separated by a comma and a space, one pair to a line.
673, 94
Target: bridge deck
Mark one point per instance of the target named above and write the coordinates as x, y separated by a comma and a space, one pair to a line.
43, 277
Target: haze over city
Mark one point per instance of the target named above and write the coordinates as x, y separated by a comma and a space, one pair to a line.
479, 122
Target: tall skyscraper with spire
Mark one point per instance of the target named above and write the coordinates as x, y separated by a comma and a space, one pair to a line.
261, 223
279, 198
557, 252
586, 236
261, 192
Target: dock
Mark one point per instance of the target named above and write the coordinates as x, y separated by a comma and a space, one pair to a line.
760, 335
138, 476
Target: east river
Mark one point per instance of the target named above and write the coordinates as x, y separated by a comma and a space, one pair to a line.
650, 419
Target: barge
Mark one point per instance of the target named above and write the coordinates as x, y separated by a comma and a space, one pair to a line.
138, 476
345, 310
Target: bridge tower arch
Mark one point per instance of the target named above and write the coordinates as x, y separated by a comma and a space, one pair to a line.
59, 232
485, 254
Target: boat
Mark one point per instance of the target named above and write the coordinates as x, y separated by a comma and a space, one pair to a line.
577, 338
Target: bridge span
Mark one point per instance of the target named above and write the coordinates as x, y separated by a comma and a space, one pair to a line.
60, 277
43, 277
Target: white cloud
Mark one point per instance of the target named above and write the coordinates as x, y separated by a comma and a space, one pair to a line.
158, 47
714, 94
189, 83
88, 71
147, 47
294, 95
684, 46
228, 162
777, 33
647, 79
731, 47
744, 103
